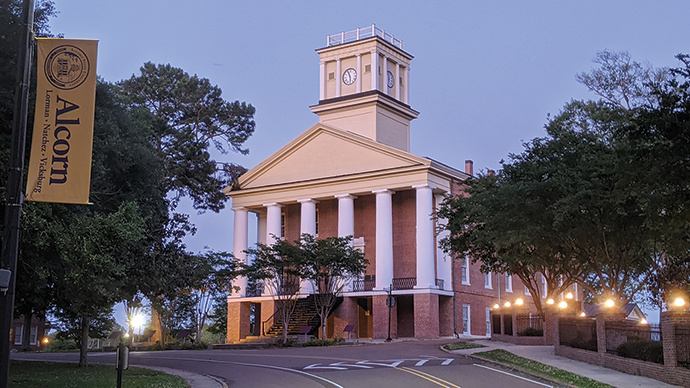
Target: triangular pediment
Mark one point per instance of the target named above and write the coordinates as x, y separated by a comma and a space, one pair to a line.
324, 152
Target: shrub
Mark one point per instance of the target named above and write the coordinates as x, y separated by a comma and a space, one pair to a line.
531, 332
642, 349
320, 342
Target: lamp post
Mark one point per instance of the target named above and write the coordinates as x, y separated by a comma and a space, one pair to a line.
390, 302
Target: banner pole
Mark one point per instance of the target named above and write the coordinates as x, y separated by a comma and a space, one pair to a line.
13, 207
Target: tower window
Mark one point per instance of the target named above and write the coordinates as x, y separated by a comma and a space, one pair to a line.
367, 68
331, 76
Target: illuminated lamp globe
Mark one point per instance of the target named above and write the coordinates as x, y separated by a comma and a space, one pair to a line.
679, 302
582, 314
519, 302
563, 304
609, 303
550, 301
496, 306
569, 295
643, 322
507, 304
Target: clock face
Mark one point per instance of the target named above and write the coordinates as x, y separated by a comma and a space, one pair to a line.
349, 76
390, 80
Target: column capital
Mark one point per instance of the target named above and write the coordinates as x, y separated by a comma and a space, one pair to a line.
383, 191
423, 186
239, 208
345, 196
271, 204
307, 200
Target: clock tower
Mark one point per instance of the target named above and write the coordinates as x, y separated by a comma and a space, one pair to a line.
364, 86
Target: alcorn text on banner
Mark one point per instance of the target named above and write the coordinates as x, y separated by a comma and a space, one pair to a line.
60, 163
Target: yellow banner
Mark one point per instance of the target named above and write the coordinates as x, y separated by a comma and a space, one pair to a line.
60, 164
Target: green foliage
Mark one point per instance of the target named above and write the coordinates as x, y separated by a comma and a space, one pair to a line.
462, 345
284, 342
315, 342
642, 349
188, 115
531, 332
30, 374
505, 357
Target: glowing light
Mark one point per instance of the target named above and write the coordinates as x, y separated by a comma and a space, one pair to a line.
519, 302
679, 302
582, 314
550, 301
137, 321
563, 304
643, 321
46, 340
126, 335
569, 295
610, 303
496, 306
507, 304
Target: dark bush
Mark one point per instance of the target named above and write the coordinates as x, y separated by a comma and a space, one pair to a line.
642, 349
531, 332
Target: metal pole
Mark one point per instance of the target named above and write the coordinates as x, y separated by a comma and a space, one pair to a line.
13, 207
389, 302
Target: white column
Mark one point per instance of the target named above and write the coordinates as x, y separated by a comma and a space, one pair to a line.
426, 271
273, 215
384, 74
396, 83
308, 226
444, 262
240, 244
374, 70
346, 222
322, 80
338, 77
359, 71
406, 82
384, 238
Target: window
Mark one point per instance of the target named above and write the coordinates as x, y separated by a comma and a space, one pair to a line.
527, 291
488, 322
466, 319
367, 68
18, 331
282, 225
34, 335
544, 287
316, 229
487, 281
331, 76
575, 293
465, 270
509, 283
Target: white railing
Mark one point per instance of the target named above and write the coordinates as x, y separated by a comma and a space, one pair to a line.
362, 33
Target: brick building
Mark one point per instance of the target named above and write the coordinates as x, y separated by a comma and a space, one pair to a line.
352, 173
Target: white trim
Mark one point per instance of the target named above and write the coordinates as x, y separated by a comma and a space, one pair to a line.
466, 320
487, 281
509, 283
465, 271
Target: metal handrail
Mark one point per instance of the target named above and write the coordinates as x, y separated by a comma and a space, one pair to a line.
263, 324
362, 33
440, 283
404, 283
363, 285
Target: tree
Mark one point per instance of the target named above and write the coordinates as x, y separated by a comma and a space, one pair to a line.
212, 279
187, 116
219, 316
328, 264
279, 267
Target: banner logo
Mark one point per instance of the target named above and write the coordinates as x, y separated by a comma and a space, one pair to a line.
67, 67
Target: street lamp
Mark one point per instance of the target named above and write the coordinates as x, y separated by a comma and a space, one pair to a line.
390, 302
679, 302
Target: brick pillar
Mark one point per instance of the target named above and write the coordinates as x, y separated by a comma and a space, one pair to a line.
267, 310
445, 316
380, 316
345, 314
668, 336
551, 335
426, 323
238, 322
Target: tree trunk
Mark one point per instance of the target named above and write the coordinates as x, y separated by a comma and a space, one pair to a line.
85, 323
324, 320
26, 335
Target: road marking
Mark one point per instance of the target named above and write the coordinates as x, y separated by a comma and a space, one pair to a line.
448, 361
314, 366
420, 363
351, 365
393, 364
428, 377
510, 374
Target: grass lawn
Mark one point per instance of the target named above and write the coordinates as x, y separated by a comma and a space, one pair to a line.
31, 374
538, 368
462, 345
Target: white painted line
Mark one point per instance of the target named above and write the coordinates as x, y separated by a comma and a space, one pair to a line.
351, 365
393, 363
448, 361
516, 376
315, 366
420, 363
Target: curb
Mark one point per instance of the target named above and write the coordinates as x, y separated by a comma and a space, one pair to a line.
556, 383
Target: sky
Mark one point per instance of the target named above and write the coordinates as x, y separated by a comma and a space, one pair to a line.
485, 74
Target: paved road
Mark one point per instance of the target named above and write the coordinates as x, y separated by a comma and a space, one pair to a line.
401, 364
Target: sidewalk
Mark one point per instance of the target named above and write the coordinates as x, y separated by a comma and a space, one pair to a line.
545, 355
194, 380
